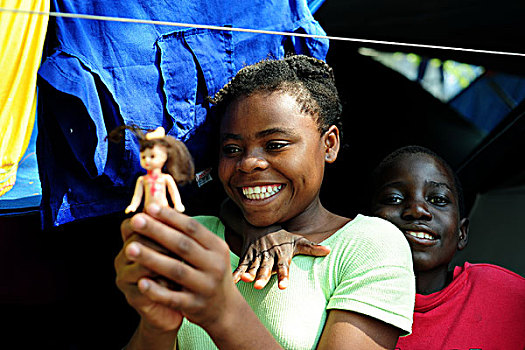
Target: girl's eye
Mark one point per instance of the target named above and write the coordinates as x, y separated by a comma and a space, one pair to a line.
230, 149
439, 200
276, 145
392, 199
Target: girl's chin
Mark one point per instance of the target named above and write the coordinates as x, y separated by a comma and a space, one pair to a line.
258, 220
423, 264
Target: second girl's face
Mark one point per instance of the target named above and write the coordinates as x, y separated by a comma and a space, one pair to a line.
417, 194
272, 157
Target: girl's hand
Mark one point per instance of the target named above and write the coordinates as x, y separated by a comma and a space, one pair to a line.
271, 254
208, 296
131, 279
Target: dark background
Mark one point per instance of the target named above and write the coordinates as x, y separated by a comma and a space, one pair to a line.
384, 110
57, 286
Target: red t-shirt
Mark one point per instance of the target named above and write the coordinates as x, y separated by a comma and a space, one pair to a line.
483, 308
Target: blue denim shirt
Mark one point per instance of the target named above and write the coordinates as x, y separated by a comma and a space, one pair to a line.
103, 74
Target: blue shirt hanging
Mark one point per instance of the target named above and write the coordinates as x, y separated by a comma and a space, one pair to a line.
102, 74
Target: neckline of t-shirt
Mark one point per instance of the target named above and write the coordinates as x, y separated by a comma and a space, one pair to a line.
428, 302
327, 240
236, 258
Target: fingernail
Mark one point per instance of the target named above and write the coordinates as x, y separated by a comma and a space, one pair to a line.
283, 283
138, 221
133, 250
153, 209
247, 277
259, 284
143, 285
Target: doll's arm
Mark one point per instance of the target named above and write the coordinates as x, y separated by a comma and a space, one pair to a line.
174, 193
137, 196
266, 250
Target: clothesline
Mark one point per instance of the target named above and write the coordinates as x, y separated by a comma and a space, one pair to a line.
248, 30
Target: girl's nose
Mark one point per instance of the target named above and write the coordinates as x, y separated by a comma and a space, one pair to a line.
416, 209
252, 161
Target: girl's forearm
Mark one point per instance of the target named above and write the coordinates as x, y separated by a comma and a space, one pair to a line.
146, 337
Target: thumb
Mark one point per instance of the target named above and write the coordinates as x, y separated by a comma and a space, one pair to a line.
306, 247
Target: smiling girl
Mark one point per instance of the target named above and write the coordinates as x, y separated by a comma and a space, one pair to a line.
475, 306
279, 129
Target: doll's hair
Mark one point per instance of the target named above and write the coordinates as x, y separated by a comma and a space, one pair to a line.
309, 80
414, 149
179, 163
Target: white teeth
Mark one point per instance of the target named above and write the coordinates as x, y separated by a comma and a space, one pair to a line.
423, 235
261, 192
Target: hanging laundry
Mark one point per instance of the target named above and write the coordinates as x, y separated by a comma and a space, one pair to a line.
21, 43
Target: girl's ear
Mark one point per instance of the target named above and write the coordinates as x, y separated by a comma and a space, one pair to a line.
463, 233
332, 143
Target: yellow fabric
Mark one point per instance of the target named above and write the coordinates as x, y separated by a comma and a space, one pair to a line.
21, 43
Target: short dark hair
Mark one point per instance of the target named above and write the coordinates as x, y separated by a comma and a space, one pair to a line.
309, 80
414, 149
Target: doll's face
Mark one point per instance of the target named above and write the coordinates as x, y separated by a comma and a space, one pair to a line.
272, 157
153, 158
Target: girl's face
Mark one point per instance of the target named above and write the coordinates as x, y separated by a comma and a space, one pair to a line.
154, 157
272, 157
417, 194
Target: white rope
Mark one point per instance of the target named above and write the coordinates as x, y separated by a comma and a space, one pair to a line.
247, 30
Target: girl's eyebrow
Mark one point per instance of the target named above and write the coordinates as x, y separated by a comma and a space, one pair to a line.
390, 184
439, 185
228, 136
271, 131
283, 131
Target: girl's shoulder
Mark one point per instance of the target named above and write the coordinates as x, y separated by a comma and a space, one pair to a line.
489, 272
371, 238
370, 229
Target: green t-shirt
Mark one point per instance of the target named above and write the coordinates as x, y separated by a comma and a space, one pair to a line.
368, 271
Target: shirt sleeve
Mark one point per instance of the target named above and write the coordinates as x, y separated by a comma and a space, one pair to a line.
375, 275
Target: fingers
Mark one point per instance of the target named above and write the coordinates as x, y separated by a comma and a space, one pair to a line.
187, 225
173, 269
306, 247
239, 271
260, 270
249, 276
245, 262
264, 272
126, 230
159, 294
283, 270
187, 248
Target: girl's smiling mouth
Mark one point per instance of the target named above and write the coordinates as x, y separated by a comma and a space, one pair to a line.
261, 192
421, 237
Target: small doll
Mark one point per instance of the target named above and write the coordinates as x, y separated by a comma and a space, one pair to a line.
158, 151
